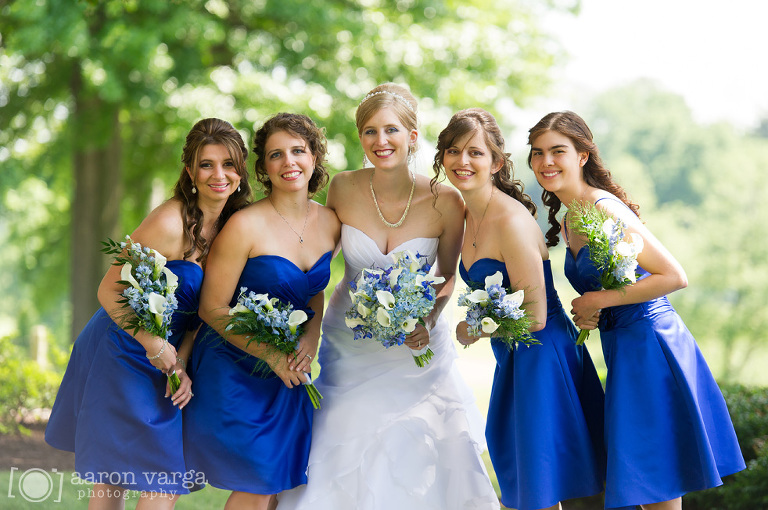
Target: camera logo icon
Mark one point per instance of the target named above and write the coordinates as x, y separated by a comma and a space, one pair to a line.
35, 485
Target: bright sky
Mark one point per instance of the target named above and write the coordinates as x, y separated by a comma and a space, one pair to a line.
713, 53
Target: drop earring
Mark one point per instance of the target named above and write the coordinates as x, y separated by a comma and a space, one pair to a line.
238, 188
194, 190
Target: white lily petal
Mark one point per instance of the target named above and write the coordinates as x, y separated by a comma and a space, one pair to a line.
238, 308
608, 226
516, 298
410, 325
171, 279
393, 276
495, 279
624, 249
160, 261
351, 323
478, 296
385, 298
489, 325
125, 275
383, 318
295, 318
363, 310
157, 304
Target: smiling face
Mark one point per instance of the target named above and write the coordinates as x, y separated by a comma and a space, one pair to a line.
385, 140
556, 163
216, 177
468, 161
289, 162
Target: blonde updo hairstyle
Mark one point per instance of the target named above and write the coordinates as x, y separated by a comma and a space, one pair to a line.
388, 95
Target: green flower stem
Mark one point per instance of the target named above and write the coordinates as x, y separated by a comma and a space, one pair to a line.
423, 359
314, 395
583, 335
174, 381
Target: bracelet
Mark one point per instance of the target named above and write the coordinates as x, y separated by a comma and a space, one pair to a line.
160, 353
183, 363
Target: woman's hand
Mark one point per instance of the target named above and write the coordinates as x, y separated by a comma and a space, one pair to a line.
586, 310
463, 336
279, 364
301, 360
167, 359
418, 339
184, 394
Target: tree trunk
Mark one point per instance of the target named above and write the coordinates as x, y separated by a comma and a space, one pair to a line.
96, 199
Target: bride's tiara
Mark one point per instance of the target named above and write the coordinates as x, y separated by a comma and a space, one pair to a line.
393, 94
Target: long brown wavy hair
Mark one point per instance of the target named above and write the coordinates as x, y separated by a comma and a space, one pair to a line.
210, 131
477, 120
298, 125
594, 172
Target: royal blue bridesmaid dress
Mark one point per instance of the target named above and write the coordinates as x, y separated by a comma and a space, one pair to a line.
111, 409
667, 428
243, 431
545, 416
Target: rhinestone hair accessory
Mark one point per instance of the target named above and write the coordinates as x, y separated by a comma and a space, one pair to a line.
393, 94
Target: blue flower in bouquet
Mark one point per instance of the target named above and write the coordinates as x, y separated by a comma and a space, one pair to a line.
388, 303
269, 321
492, 311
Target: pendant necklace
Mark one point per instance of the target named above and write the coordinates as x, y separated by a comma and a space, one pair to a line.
407, 206
300, 236
474, 240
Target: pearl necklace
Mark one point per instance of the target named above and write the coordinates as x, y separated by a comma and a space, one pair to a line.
407, 207
300, 236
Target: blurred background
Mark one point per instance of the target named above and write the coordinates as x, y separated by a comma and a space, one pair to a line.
96, 97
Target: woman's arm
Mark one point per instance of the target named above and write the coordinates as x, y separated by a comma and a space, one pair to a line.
307, 350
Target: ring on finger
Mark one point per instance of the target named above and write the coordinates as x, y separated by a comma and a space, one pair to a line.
308, 356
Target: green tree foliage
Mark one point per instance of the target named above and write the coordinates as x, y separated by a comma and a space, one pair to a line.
96, 97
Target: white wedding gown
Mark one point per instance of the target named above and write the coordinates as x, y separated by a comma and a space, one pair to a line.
390, 435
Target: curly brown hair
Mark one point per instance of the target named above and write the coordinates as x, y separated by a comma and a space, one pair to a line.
474, 120
297, 125
595, 174
209, 131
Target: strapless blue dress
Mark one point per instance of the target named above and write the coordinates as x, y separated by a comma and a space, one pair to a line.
545, 416
111, 408
245, 432
667, 428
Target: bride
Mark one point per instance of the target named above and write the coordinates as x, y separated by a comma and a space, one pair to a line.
391, 435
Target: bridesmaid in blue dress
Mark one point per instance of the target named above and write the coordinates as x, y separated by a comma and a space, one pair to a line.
249, 433
544, 426
110, 409
667, 427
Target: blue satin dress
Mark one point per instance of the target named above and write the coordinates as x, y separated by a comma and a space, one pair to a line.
242, 431
667, 428
111, 408
545, 417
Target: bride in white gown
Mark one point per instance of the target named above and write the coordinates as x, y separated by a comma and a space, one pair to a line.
391, 435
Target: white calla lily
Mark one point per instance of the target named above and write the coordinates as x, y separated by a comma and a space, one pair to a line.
394, 275
386, 299
296, 318
160, 261
363, 310
516, 298
608, 226
489, 325
157, 304
125, 275
409, 325
351, 323
495, 279
478, 296
383, 318
431, 279
238, 308
171, 280
624, 249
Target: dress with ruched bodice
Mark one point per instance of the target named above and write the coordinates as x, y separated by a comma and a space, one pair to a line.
390, 435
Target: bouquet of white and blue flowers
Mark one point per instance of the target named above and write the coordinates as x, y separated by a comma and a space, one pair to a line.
149, 298
388, 303
609, 251
493, 311
269, 321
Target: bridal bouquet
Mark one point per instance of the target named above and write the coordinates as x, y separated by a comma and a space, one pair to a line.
149, 292
609, 250
269, 321
493, 311
387, 304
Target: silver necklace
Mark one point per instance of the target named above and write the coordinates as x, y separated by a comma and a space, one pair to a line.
306, 217
474, 240
407, 206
